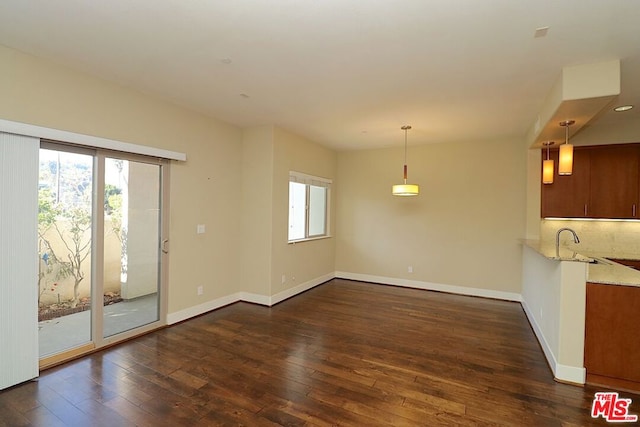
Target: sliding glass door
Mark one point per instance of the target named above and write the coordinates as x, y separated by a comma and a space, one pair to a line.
132, 247
101, 224
65, 217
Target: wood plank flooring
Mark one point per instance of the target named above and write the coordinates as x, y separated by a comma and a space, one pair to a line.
344, 353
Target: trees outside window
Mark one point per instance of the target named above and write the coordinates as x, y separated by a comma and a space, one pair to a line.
64, 225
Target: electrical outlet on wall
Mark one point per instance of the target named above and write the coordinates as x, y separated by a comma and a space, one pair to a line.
284, 279
410, 269
200, 290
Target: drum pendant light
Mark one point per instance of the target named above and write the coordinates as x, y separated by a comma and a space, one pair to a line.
565, 161
405, 189
547, 166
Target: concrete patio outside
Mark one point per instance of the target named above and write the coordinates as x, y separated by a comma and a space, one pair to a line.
69, 331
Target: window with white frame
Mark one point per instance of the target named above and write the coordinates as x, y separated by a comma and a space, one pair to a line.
308, 206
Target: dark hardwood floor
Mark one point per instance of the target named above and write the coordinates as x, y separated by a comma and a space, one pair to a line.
343, 353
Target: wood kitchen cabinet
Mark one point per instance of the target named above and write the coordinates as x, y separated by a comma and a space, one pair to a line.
613, 184
612, 338
568, 196
605, 184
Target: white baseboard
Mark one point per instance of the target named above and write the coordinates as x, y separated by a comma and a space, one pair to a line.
561, 372
254, 298
571, 374
462, 290
199, 309
288, 293
265, 300
269, 301
546, 349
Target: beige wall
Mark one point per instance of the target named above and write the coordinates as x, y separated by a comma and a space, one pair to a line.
245, 246
461, 230
269, 153
304, 261
204, 189
534, 178
257, 209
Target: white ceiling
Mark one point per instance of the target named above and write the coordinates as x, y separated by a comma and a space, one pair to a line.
344, 73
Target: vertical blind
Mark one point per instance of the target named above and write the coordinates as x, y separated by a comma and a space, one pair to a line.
18, 258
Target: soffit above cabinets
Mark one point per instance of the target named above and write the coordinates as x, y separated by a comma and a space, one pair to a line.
580, 93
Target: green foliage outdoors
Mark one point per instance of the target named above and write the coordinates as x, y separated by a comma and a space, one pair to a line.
75, 241
65, 221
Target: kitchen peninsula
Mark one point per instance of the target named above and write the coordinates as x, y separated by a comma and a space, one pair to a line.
581, 305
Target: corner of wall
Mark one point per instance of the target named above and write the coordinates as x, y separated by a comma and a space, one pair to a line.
256, 209
303, 262
534, 159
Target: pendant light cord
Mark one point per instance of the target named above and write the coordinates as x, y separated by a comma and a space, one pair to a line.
405, 128
566, 125
405, 145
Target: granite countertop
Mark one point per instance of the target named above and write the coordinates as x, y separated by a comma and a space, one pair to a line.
600, 269
564, 253
612, 273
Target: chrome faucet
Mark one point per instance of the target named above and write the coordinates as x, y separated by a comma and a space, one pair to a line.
575, 236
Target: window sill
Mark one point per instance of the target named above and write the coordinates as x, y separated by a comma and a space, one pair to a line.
308, 239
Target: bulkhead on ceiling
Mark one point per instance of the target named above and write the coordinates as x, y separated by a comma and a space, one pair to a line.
580, 94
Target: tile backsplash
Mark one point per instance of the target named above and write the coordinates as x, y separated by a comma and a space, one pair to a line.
608, 238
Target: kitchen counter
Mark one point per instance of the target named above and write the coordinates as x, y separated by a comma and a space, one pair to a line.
600, 269
611, 273
548, 250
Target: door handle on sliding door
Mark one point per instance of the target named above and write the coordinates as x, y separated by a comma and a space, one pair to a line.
163, 246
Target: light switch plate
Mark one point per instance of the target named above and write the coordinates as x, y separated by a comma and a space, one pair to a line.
200, 229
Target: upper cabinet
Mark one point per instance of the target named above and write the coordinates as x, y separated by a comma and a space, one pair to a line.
614, 182
604, 184
568, 196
